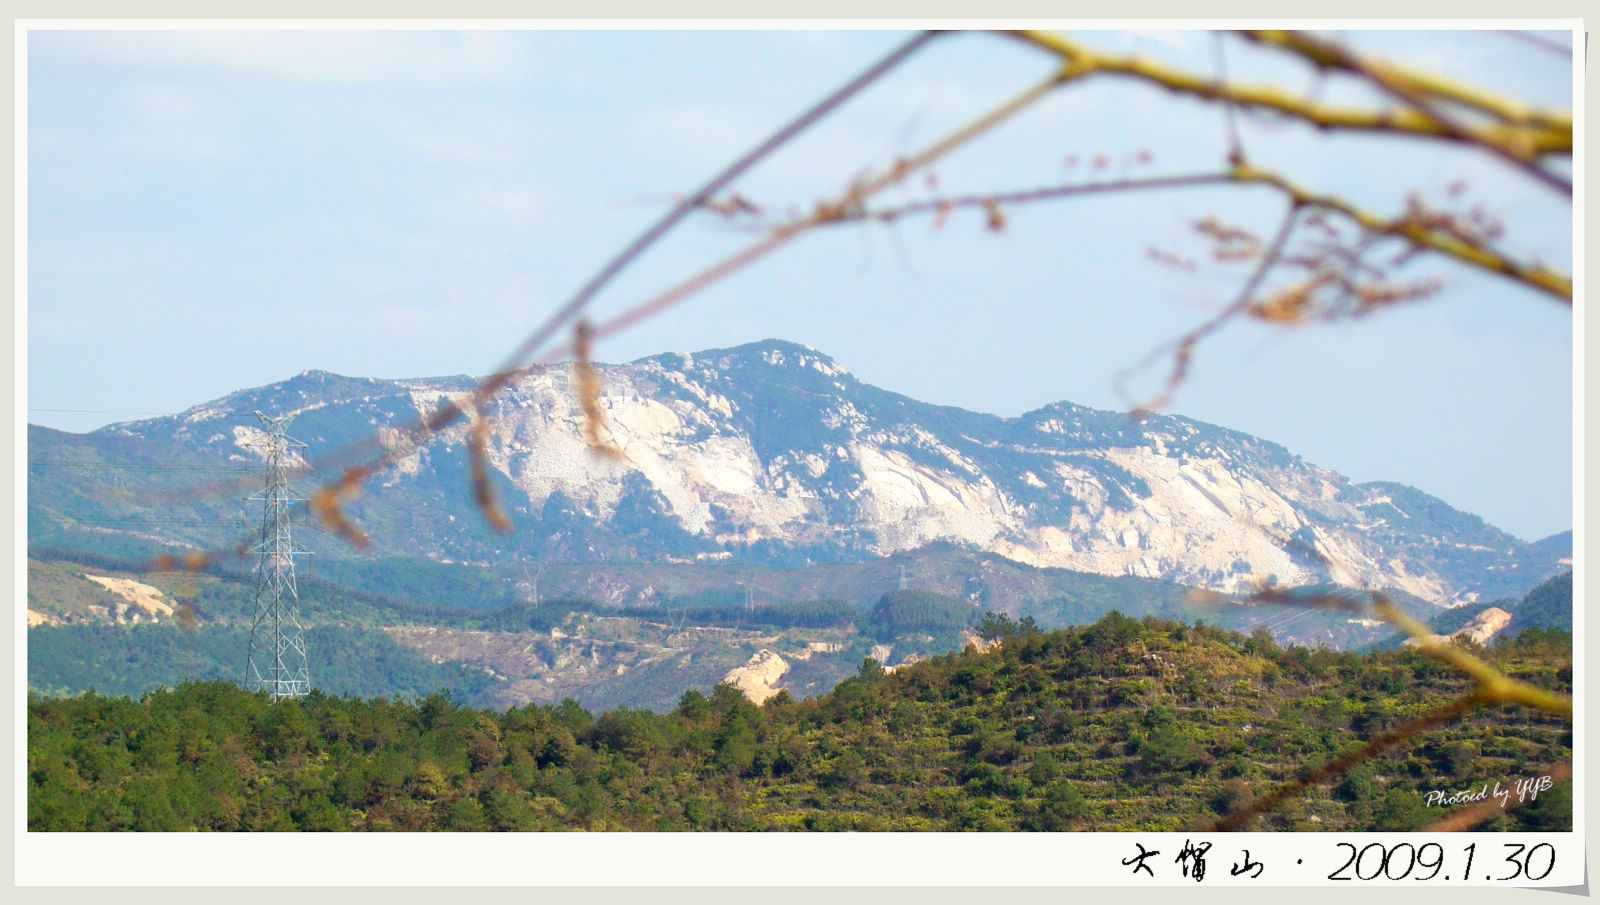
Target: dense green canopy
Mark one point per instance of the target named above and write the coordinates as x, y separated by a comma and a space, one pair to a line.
1123, 724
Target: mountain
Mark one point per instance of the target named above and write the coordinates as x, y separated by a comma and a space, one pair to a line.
773, 453
1548, 606
1559, 544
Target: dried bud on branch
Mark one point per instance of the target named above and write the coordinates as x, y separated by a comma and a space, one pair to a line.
482, 492
995, 218
326, 504
732, 206
586, 379
1232, 243
1171, 259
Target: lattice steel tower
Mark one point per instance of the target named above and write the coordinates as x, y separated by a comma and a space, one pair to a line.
277, 659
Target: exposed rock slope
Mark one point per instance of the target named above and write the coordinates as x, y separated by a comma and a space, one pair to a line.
759, 678
774, 452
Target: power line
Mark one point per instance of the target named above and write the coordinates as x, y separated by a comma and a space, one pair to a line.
139, 466
218, 416
102, 411
194, 521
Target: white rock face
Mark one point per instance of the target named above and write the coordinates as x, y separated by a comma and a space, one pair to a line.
538, 442
1198, 521
912, 504
759, 678
777, 444
1486, 625
1202, 522
145, 599
1480, 630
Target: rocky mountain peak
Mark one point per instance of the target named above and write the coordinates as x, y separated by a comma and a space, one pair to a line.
772, 452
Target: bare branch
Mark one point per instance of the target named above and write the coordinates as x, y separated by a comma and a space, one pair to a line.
1494, 686
1469, 817
1235, 146
1545, 133
1340, 765
1183, 349
1420, 91
567, 312
942, 206
1329, 55
482, 491
1419, 235
586, 381
1535, 40
1421, 232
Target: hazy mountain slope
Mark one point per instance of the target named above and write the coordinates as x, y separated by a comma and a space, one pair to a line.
605, 634
1559, 544
774, 453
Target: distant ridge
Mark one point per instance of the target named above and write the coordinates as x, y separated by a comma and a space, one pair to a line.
774, 453
1557, 544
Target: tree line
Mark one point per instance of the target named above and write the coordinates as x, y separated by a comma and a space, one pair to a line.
1124, 724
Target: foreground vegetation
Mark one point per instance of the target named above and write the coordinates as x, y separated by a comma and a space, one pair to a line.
1119, 725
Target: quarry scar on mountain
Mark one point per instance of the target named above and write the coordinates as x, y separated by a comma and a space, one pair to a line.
773, 446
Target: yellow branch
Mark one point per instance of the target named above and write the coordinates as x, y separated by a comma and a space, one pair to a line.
1493, 686
1544, 134
1478, 256
1502, 108
1547, 281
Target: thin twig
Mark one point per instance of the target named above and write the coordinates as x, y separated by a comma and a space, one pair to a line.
1493, 689
1478, 255
1496, 687
1183, 348
1535, 40
1515, 147
570, 310
1235, 146
1339, 765
1027, 196
1469, 817
1545, 134
1326, 55
850, 202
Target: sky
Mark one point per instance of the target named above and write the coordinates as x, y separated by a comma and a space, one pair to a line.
212, 210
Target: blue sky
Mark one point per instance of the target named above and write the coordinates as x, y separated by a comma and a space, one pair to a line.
214, 210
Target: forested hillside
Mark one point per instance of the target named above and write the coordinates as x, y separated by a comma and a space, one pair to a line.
395, 627
1547, 606
1120, 725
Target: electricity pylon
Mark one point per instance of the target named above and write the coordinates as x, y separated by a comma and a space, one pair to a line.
277, 658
